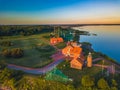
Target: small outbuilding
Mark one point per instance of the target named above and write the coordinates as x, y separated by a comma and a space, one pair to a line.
56, 40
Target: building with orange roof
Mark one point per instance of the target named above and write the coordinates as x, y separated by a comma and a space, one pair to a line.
59, 39
56, 40
75, 51
67, 50
53, 40
76, 63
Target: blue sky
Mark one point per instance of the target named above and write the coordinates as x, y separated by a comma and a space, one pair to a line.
59, 11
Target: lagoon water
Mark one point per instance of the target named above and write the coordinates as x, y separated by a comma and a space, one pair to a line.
107, 40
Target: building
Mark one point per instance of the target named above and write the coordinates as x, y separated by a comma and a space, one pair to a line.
59, 39
72, 50
75, 51
77, 62
56, 40
67, 50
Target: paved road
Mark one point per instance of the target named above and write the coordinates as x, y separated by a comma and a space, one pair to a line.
58, 58
34, 70
98, 59
108, 67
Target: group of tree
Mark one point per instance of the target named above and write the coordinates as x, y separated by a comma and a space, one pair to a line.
17, 80
10, 30
15, 53
8, 77
88, 83
6, 43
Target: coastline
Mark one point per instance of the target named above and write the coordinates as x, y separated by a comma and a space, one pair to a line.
106, 41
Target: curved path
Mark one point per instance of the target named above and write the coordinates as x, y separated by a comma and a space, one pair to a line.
98, 59
108, 67
58, 57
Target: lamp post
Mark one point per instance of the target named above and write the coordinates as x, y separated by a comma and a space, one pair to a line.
113, 70
102, 66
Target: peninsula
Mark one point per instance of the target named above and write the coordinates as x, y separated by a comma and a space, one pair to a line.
52, 57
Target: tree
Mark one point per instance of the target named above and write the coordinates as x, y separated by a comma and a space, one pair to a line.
26, 83
6, 53
114, 85
17, 53
87, 81
9, 84
114, 88
5, 43
102, 84
5, 74
2, 65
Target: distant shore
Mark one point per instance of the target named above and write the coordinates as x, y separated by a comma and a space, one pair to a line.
57, 24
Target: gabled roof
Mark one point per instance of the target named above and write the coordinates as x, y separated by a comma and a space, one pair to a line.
80, 60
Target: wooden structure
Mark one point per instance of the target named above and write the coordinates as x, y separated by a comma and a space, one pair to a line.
56, 40
59, 39
67, 50
77, 62
89, 60
75, 51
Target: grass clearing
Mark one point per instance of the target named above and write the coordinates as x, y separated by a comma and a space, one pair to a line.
61, 45
76, 74
37, 50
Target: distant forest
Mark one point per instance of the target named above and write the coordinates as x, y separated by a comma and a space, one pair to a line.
11, 30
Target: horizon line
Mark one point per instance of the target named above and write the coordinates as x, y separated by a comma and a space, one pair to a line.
54, 24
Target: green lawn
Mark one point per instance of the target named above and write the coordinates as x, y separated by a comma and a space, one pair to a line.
37, 50
76, 74
61, 45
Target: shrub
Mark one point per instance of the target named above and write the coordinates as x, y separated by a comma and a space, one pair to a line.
102, 84
6, 53
6, 43
87, 81
15, 53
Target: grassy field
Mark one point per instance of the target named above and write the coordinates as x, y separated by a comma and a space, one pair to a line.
37, 50
61, 45
76, 74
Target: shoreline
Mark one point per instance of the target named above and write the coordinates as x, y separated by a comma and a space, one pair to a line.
106, 41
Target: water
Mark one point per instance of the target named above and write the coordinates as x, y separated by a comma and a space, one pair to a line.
107, 40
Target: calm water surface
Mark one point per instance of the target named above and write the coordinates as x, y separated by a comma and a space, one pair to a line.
107, 40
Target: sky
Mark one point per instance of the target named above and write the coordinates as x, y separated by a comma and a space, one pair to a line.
59, 12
